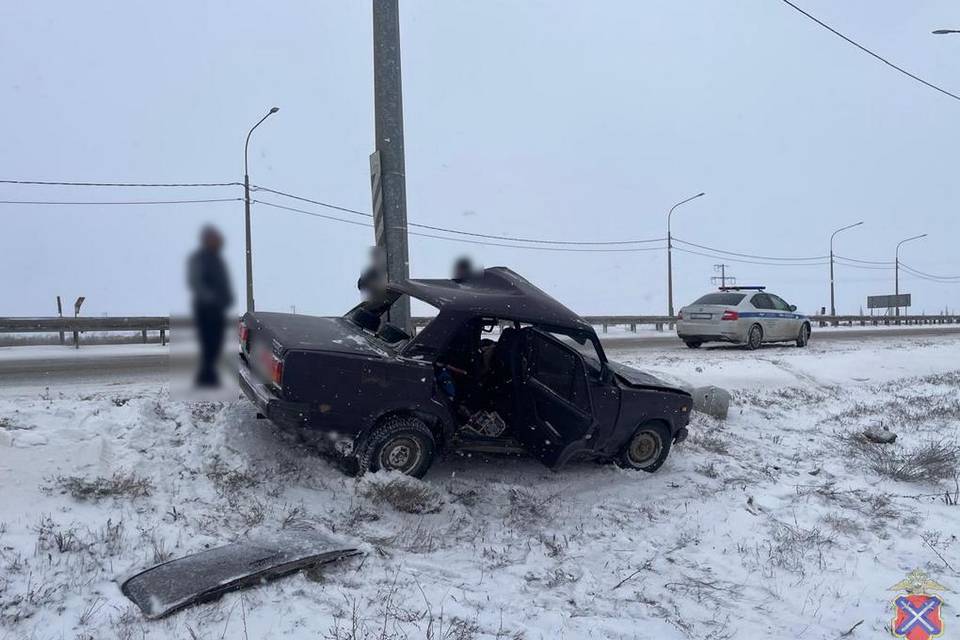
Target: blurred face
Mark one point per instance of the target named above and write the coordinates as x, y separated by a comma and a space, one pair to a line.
212, 240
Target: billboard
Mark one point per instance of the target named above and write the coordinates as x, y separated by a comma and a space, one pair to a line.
888, 302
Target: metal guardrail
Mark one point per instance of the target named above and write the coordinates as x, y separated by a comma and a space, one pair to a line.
143, 324
662, 322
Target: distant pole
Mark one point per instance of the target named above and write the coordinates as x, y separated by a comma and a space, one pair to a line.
833, 306
60, 313
388, 173
723, 278
896, 268
246, 207
670, 253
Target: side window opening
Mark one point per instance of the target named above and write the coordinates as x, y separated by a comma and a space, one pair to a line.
762, 301
561, 371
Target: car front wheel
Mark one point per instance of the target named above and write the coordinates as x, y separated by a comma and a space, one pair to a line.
804, 336
693, 344
400, 443
755, 337
648, 448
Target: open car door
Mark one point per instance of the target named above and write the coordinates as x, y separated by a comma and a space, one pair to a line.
553, 417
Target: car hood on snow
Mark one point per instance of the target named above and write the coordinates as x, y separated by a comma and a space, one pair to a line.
636, 378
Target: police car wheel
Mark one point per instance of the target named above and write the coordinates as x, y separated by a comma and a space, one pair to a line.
648, 449
755, 337
804, 336
693, 344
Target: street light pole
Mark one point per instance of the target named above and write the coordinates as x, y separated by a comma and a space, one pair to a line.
670, 253
833, 306
896, 268
246, 207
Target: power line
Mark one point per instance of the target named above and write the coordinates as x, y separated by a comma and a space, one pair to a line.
772, 264
462, 240
122, 184
460, 231
868, 51
928, 275
748, 255
889, 262
118, 202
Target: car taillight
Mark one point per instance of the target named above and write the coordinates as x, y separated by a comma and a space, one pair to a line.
679, 315
276, 370
244, 336
272, 366
730, 315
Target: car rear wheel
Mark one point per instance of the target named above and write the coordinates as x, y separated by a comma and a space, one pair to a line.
400, 443
648, 448
755, 337
804, 336
693, 344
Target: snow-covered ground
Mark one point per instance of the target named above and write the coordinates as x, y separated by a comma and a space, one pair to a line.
771, 524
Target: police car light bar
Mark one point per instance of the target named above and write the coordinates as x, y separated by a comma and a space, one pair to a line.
743, 288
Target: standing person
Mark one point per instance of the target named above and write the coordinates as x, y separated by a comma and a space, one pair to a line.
212, 296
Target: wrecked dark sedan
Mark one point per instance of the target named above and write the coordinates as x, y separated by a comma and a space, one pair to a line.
502, 367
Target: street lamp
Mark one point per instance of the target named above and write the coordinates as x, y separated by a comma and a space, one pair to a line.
670, 252
896, 269
246, 205
833, 307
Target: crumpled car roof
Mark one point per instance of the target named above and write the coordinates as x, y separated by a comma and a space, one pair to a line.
496, 292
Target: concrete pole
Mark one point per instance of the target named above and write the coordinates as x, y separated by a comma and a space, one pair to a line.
388, 110
246, 208
896, 268
670, 253
833, 306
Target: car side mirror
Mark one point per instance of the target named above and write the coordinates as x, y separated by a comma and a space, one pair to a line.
793, 307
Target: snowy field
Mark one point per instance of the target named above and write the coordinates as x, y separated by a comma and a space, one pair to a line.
776, 523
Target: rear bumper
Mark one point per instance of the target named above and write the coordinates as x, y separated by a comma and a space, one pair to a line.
282, 412
715, 331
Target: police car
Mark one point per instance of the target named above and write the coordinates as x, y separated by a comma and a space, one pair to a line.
743, 315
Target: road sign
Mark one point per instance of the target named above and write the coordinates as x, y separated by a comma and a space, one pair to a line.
888, 302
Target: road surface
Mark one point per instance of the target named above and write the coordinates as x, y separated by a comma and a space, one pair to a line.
105, 364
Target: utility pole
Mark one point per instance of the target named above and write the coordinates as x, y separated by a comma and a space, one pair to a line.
833, 306
387, 170
670, 253
723, 277
246, 207
896, 269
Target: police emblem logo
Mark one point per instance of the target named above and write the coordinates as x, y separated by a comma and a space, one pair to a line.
917, 612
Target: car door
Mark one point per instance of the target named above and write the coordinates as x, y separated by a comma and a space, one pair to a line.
766, 316
789, 320
554, 416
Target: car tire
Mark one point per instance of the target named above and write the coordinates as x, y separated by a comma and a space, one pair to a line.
648, 448
804, 336
693, 344
755, 337
400, 443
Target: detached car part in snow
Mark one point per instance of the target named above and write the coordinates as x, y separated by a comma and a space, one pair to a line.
201, 577
503, 367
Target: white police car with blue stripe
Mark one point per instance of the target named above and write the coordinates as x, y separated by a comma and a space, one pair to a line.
742, 315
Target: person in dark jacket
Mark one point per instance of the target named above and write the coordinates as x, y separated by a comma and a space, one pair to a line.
212, 296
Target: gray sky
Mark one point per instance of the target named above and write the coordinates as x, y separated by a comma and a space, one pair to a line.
563, 120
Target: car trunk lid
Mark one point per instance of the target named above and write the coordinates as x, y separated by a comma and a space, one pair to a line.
281, 332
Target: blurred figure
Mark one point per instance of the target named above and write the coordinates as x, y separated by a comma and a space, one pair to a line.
373, 280
463, 269
210, 285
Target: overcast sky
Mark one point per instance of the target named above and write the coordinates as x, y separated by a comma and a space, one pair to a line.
537, 118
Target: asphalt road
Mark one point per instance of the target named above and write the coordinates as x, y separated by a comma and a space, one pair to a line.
86, 367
